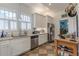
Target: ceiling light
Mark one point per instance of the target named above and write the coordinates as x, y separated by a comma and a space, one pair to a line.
71, 10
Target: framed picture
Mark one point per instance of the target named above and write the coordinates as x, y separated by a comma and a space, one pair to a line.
63, 26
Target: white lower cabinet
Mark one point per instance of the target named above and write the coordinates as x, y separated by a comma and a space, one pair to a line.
26, 44
15, 46
20, 45
42, 39
5, 49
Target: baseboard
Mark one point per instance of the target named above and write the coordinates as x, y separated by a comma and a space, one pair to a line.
24, 52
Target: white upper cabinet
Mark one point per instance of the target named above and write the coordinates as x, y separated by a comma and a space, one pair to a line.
49, 19
39, 21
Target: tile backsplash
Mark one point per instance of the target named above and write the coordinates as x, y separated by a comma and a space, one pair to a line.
19, 33
42, 30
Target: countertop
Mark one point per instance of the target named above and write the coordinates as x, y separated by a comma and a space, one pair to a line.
18, 37
36, 34
68, 41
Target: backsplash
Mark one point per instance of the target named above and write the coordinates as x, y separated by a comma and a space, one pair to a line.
21, 33
8, 34
41, 30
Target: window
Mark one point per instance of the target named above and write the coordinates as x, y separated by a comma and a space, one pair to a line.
28, 26
3, 25
1, 13
13, 25
10, 15
14, 16
28, 19
10, 18
6, 14
23, 26
25, 22
6, 25
23, 18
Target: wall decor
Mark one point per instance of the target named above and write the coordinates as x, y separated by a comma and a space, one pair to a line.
63, 26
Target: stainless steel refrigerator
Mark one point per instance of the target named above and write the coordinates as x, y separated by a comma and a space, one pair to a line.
51, 32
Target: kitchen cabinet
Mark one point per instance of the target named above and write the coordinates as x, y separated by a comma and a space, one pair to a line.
39, 21
16, 46
20, 45
26, 44
42, 38
49, 19
5, 49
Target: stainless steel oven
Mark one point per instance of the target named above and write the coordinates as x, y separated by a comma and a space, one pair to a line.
34, 41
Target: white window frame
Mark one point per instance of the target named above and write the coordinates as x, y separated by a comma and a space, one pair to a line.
16, 18
14, 26
8, 18
24, 20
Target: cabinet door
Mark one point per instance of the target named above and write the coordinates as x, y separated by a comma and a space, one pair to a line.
45, 38
16, 46
39, 21
50, 19
20, 45
26, 44
43, 22
5, 49
42, 39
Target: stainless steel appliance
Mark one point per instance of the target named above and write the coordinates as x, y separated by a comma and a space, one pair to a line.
34, 41
51, 32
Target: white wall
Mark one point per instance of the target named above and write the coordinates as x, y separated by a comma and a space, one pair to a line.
57, 27
71, 25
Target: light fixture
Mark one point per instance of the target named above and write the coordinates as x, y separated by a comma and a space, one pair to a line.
71, 9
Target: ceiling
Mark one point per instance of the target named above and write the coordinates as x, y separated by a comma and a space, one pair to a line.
53, 9
56, 7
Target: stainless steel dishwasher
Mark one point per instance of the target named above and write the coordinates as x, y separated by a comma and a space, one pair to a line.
34, 41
